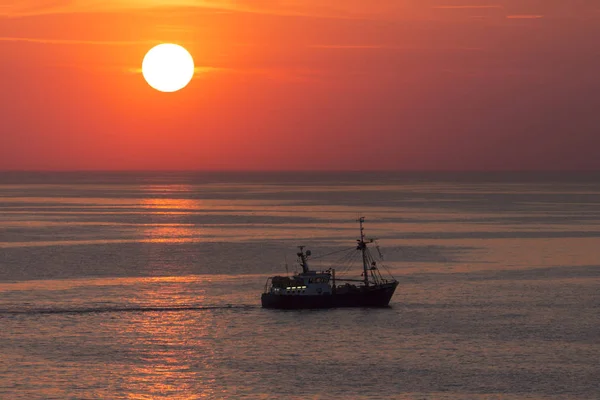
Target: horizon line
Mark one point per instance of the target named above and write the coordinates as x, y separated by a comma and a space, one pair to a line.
235, 171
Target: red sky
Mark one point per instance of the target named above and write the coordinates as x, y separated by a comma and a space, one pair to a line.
303, 85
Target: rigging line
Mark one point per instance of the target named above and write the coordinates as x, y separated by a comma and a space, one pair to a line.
345, 255
349, 265
350, 261
340, 264
383, 265
386, 268
346, 258
344, 264
378, 247
351, 257
388, 271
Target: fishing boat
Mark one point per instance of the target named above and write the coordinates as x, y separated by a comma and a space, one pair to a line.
312, 289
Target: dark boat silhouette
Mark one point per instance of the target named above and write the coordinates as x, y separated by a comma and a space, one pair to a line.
311, 289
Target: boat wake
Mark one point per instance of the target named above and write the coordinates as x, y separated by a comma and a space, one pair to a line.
100, 310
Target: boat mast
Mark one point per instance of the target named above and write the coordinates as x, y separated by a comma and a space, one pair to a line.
362, 246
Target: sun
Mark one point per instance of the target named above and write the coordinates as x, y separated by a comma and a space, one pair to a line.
168, 67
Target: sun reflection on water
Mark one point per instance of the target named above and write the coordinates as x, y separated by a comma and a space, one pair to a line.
173, 349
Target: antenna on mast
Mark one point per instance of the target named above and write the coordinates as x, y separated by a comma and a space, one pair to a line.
362, 231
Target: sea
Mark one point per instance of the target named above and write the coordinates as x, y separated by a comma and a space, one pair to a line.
146, 285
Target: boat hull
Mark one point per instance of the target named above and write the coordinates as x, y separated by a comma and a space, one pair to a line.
374, 296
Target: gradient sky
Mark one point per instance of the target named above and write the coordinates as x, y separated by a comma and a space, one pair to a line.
303, 85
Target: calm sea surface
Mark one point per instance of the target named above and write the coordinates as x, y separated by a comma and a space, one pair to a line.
147, 286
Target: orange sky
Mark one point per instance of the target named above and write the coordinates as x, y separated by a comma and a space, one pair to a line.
302, 84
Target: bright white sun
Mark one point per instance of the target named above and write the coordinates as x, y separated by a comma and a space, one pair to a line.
168, 67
